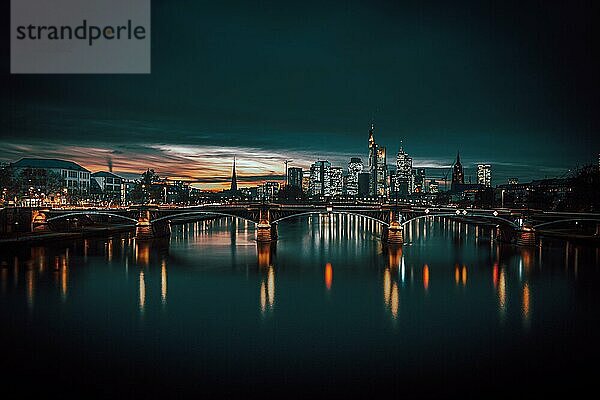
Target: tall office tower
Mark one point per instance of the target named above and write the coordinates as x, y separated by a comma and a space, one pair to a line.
382, 172
337, 181
294, 177
419, 180
320, 179
404, 177
372, 162
458, 174
484, 174
306, 181
233, 178
355, 167
364, 184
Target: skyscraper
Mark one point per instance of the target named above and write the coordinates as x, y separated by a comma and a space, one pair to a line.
234, 187
382, 172
364, 180
484, 174
355, 167
404, 176
337, 181
377, 166
372, 162
320, 179
294, 177
458, 174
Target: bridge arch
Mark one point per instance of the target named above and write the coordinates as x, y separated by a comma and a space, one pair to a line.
480, 216
185, 214
321, 212
82, 213
587, 219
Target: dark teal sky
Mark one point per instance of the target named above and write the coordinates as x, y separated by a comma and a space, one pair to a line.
503, 82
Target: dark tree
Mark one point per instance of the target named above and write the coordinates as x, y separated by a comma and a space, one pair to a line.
148, 188
291, 194
584, 193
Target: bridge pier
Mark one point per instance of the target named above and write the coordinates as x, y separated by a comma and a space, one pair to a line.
394, 233
39, 222
526, 237
143, 227
146, 229
265, 231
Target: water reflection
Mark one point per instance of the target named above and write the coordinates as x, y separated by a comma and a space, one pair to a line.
267, 291
456, 274
502, 294
391, 296
265, 257
142, 292
30, 284
328, 276
163, 282
526, 305
394, 269
426, 277
309, 248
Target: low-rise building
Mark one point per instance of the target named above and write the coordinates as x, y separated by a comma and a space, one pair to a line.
51, 176
111, 186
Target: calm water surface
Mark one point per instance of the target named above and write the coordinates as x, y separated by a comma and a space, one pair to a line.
325, 310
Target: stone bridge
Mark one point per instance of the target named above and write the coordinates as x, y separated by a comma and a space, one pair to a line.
516, 226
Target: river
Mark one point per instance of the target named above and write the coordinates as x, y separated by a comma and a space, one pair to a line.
324, 310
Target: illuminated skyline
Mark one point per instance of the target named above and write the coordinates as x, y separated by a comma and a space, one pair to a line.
509, 86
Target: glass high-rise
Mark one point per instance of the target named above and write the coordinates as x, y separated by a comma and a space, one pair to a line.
320, 179
355, 167
484, 174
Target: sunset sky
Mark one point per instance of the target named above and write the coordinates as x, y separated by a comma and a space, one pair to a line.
267, 81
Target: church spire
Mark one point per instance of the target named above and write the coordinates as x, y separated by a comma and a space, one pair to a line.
234, 178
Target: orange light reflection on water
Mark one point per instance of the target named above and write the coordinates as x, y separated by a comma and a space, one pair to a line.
328, 276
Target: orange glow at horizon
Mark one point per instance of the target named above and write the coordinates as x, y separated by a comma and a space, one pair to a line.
426, 276
205, 167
